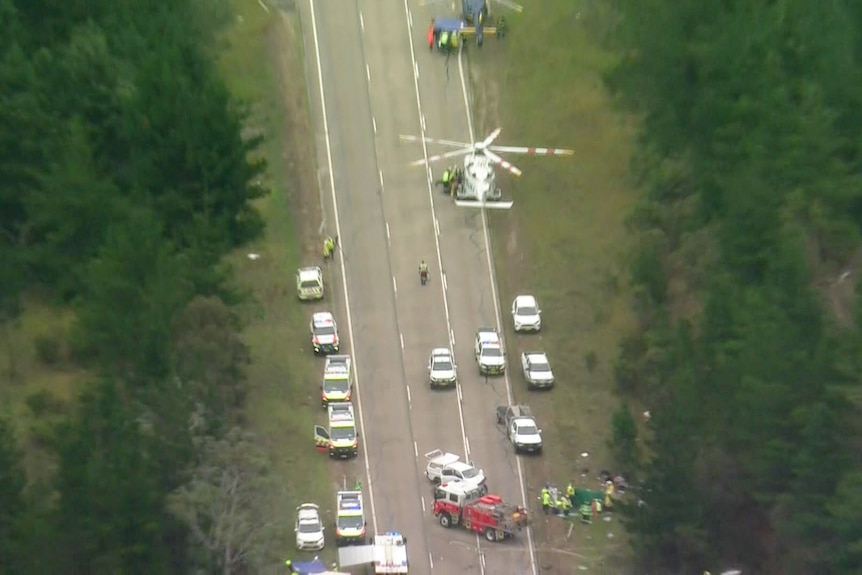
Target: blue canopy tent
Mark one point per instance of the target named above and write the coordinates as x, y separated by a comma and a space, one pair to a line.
309, 567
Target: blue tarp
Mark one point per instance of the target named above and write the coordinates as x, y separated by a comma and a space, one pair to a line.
308, 567
449, 24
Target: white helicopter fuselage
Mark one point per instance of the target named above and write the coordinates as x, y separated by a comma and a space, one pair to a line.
479, 180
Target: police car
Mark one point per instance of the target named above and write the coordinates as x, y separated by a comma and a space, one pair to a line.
324, 333
309, 283
489, 352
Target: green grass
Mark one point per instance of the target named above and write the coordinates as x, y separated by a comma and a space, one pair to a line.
564, 240
264, 48
25, 374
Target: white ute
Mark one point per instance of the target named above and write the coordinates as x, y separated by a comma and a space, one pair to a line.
526, 314
444, 467
441, 368
521, 428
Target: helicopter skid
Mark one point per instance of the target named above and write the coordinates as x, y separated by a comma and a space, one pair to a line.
478, 204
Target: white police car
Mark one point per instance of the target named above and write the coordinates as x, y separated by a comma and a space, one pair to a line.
441, 368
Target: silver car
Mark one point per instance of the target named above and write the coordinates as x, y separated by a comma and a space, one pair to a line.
537, 370
441, 368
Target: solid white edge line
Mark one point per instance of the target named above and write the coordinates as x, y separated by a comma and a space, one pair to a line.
445, 286
452, 337
368, 478
264, 6
468, 448
499, 317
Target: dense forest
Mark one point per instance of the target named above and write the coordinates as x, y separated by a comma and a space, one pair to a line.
747, 354
125, 178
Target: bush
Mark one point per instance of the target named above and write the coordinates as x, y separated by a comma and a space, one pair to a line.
624, 440
44, 403
49, 349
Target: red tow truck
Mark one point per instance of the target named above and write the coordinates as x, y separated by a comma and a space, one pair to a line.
462, 504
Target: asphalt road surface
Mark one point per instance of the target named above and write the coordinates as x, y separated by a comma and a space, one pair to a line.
388, 219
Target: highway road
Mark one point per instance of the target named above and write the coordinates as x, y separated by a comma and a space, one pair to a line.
375, 79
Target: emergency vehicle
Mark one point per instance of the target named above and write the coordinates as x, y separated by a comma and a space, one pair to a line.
387, 553
324, 333
341, 438
309, 283
337, 380
350, 519
460, 504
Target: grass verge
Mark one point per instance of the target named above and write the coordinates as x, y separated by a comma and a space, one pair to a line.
262, 63
565, 242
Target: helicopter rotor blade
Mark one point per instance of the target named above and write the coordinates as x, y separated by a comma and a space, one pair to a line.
452, 154
451, 143
511, 5
533, 151
502, 163
492, 137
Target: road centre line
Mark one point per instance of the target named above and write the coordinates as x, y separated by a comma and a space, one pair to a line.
388, 237
416, 449
401, 335
361, 22
423, 504
431, 201
394, 285
499, 316
356, 379
409, 400
431, 560
368, 72
380, 172
374, 124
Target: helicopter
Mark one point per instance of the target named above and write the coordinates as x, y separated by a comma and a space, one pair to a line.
478, 188
475, 14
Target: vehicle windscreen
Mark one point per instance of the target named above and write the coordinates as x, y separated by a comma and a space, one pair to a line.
492, 352
336, 385
309, 284
309, 527
470, 473
342, 433
541, 367
527, 310
350, 522
528, 430
324, 330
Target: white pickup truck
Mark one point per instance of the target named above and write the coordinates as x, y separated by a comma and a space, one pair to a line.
444, 467
521, 428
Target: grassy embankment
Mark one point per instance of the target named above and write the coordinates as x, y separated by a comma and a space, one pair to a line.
564, 240
262, 63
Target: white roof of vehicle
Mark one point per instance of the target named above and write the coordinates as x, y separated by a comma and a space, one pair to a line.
441, 458
310, 273
349, 502
341, 412
322, 319
525, 301
537, 357
441, 351
337, 367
